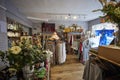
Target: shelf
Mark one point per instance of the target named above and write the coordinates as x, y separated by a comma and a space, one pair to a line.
75, 33
10, 30
13, 37
95, 53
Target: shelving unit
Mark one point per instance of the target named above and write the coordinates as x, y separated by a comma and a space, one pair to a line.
15, 30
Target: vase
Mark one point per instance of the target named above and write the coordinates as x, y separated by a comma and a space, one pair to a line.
27, 72
42, 64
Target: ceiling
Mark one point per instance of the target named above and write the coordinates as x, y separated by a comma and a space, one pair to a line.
53, 10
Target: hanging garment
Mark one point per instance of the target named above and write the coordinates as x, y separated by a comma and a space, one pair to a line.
86, 71
95, 72
86, 48
92, 72
81, 47
64, 52
80, 52
61, 51
71, 40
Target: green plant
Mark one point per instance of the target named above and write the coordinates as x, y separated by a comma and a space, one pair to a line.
23, 53
20, 56
111, 11
2, 54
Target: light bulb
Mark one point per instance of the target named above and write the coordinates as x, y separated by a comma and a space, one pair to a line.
74, 17
66, 17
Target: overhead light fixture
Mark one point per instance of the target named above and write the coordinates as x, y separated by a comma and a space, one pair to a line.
71, 17
34, 18
74, 17
66, 17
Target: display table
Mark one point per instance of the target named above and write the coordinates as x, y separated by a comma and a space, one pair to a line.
103, 64
109, 53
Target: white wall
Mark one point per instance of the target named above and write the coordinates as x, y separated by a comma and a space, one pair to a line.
3, 31
13, 13
93, 22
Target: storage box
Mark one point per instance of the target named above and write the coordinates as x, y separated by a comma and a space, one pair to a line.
110, 52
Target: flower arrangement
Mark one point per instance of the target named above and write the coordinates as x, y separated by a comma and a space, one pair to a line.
24, 53
111, 11
22, 57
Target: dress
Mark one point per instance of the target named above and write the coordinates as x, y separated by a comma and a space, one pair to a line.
86, 48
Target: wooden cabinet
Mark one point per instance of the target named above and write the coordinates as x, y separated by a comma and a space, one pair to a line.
48, 27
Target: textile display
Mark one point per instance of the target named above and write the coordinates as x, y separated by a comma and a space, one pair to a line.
92, 72
75, 45
71, 40
61, 52
80, 50
86, 48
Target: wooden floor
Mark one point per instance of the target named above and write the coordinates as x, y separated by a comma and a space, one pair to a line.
72, 69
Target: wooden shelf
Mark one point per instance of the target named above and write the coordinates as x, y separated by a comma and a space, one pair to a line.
92, 52
13, 37
12, 30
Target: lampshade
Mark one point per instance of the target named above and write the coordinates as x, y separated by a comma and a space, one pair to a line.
54, 36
